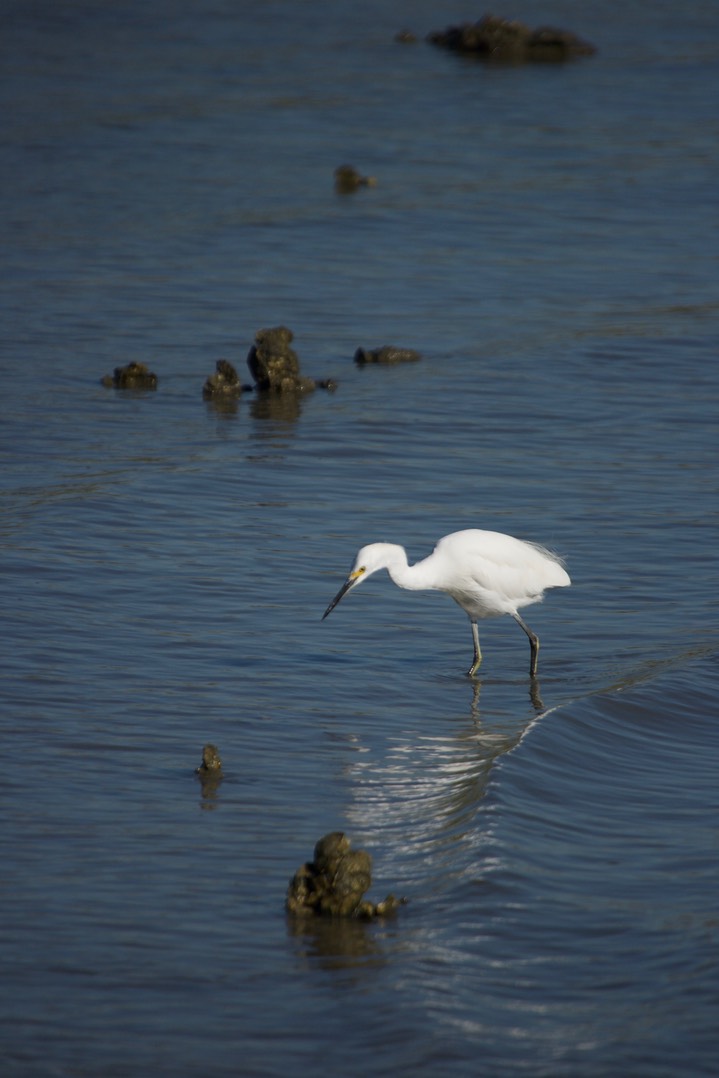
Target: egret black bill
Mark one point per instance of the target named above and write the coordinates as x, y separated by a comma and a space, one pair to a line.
352, 579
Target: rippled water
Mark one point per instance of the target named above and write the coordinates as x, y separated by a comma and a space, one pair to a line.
543, 235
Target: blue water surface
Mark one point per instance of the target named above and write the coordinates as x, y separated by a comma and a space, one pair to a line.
543, 236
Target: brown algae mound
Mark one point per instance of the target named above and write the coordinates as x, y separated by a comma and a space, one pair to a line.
348, 179
224, 383
209, 773
510, 41
334, 884
388, 354
133, 376
211, 763
275, 366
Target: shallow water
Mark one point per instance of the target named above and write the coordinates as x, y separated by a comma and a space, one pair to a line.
543, 237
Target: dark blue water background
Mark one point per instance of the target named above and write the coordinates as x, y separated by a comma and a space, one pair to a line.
546, 237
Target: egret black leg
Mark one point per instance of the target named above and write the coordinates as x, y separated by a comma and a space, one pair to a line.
477, 652
533, 644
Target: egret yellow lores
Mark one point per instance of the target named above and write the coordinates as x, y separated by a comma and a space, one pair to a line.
486, 572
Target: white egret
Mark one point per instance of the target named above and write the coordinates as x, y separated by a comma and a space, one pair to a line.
487, 573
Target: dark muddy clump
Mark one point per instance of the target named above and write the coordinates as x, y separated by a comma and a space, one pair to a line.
348, 179
389, 353
224, 383
210, 774
511, 42
133, 376
275, 367
211, 762
334, 884
274, 364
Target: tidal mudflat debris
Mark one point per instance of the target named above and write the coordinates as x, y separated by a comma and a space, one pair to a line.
132, 376
335, 882
211, 762
210, 774
388, 354
224, 383
275, 366
511, 42
348, 179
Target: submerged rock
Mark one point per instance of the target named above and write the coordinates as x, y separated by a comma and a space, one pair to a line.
133, 376
348, 179
211, 762
510, 41
224, 383
389, 353
210, 774
334, 884
275, 367
274, 364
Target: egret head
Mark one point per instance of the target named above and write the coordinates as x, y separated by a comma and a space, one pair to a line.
369, 560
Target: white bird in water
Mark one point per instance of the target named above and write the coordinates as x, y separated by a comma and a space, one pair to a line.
487, 573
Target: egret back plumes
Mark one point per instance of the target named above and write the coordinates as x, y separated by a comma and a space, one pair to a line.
486, 573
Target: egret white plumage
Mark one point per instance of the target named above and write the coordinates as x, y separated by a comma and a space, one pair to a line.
486, 573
